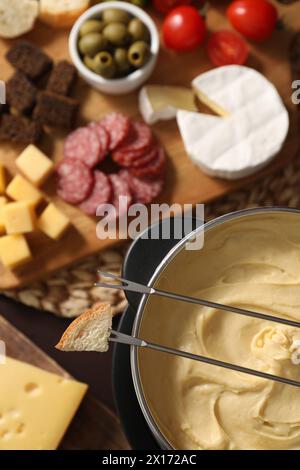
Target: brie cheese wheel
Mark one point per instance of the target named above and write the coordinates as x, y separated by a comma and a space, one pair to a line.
232, 147
251, 134
162, 102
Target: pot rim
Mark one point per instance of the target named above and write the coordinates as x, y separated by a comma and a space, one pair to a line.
135, 372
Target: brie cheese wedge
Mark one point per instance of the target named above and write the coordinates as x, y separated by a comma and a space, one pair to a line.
162, 102
251, 134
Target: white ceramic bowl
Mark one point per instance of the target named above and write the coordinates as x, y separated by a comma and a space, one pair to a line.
116, 86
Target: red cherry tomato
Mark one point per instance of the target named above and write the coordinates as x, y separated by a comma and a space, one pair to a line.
226, 47
164, 6
255, 19
183, 29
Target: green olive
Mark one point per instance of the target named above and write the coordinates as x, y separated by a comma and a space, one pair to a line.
138, 30
138, 53
92, 43
104, 64
115, 15
121, 60
116, 34
91, 26
89, 62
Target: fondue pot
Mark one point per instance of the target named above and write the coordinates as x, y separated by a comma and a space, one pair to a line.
151, 262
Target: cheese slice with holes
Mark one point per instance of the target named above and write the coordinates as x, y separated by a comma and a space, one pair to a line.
36, 407
251, 134
162, 102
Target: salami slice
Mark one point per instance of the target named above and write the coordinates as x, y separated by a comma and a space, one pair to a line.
75, 180
139, 139
135, 159
144, 190
118, 126
83, 144
152, 169
104, 139
120, 188
101, 194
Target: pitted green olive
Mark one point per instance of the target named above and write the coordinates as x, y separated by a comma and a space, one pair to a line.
104, 64
89, 62
121, 60
116, 15
116, 34
92, 43
138, 30
91, 26
138, 53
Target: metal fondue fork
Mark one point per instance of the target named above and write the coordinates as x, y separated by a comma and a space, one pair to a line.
123, 338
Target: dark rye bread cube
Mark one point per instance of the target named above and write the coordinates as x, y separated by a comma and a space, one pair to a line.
20, 93
29, 59
20, 130
62, 78
55, 110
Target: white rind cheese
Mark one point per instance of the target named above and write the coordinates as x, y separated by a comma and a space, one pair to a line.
249, 137
162, 102
231, 147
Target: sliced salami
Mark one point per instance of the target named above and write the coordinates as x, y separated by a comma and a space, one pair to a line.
118, 126
101, 194
75, 180
134, 159
84, 145
104, 139
120, 188
139, 139
144, 190
152, 169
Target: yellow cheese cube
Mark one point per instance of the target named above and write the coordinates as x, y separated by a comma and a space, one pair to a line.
14, 250
2, 179
3, 201
18, 217
53, 222
35, 165
20, 189
36, 407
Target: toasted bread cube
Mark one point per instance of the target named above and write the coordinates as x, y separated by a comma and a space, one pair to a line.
3, 201
18, 217
53, 222
20, 189
34, 164
2, 179
14, 250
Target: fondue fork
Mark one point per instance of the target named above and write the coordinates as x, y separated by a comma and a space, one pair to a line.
123, 338
131, 286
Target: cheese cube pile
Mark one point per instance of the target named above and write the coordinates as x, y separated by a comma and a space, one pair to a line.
18, 217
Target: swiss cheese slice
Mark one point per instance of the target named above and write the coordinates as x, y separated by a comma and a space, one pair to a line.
162, 102
36, 407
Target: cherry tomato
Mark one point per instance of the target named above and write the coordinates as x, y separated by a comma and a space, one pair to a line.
255, 19
164, 6
183, 29
226, 47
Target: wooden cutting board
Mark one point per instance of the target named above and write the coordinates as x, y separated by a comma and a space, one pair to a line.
185, 182
94, 426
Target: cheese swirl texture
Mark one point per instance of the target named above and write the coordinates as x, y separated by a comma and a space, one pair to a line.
251, 262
